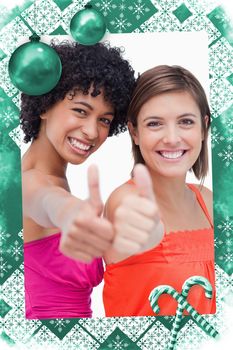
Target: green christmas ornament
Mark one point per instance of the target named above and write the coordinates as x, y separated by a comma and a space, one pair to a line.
88, 26
35, 67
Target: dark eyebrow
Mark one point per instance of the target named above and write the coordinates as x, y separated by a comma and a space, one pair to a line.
187, 115
91, 108
179, 116
84, 104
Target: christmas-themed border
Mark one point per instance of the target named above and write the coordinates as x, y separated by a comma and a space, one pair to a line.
121, 16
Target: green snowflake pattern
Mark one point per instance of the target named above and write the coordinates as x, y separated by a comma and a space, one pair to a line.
122, 16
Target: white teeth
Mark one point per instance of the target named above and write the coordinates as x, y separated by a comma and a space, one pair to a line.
79, 145
171, 155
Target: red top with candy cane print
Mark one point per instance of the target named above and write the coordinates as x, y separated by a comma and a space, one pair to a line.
179, 255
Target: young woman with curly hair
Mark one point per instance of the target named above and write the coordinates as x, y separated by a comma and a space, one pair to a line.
65, 237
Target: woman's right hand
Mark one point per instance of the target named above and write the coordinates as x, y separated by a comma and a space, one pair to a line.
137, 223
85, 233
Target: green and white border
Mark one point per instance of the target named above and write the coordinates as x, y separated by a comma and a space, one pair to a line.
145, 333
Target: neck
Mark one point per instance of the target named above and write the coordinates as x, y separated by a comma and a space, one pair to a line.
42, 156
170, 192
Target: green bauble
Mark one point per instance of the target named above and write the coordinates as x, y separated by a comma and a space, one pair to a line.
88, 26
35, 68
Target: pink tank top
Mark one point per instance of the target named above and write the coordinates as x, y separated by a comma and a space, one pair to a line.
57, 286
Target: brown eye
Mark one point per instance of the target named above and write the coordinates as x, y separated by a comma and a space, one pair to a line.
79, 110
106, 121
187, 121
154, 124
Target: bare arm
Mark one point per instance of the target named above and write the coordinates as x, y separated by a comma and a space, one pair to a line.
44, 201
85, 234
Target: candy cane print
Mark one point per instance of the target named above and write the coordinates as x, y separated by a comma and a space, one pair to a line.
165, 289
194, 280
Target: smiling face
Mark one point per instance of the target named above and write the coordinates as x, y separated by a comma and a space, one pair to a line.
169, 133
76, 127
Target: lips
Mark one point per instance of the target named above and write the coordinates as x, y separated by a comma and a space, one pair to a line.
172, 154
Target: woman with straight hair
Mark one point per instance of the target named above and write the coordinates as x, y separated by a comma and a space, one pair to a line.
169, 219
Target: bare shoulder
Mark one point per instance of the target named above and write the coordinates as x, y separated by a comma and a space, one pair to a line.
35, 184
116, 198
34, 180
207, 195
34, 177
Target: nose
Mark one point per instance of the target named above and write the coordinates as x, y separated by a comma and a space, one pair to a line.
90, 129
171, 135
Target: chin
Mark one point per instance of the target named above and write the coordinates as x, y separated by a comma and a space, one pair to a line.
77, 162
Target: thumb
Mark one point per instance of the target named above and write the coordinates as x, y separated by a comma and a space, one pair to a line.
94, 190
143, 182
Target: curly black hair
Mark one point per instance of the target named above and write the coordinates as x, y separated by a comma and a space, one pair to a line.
99, 65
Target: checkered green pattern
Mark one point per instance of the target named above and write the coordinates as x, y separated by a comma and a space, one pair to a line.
122, 16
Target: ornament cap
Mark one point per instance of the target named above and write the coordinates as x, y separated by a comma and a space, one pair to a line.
34, 37
88, 6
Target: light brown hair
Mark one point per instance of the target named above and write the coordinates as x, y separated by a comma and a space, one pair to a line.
162, 79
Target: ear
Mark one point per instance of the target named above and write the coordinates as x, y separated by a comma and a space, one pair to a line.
133, 132
45, 115
206, 118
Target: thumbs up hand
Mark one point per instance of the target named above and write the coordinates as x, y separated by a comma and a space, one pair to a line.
86, 234
137, 222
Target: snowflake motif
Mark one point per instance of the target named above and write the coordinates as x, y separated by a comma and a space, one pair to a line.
13, 289
79, 337
20, 234
17, 136
41, 337
98, 327
226, 155
135, 328
106, 6
229, 244
121, 23
224, 282
17, 99
122, 6
228, 122
60, 324
118, 344
190, 336
42, 16
227, 258
156, 338
3, 237
15, 250
226, 226
160, 22
216, 137
9, 116
217, 242
18, 327
4, 267
230, 138
166, 5
220, 64
138, 9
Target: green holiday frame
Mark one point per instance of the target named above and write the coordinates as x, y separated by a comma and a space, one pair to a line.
122, 16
